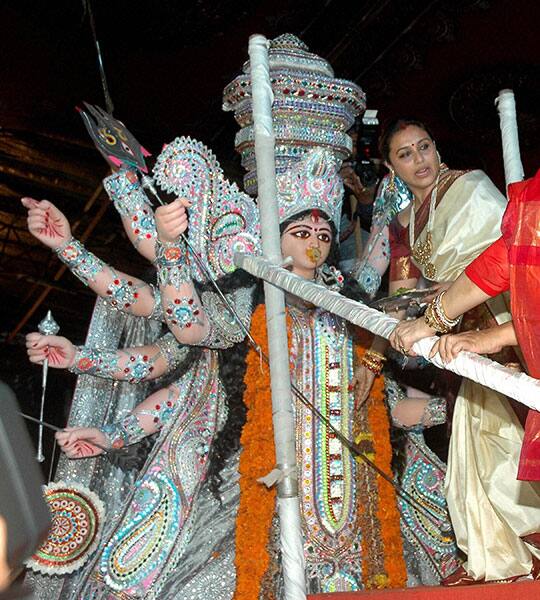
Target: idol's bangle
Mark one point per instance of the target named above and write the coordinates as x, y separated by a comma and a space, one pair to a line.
172, 264
124, 432
126, 193
373, 361
91, 361
80, 261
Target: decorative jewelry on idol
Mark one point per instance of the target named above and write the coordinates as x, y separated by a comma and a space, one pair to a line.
80, 261
183, 312
312, 183
436, 317
225, 220
172, 263
311, 107
91, 361
127, 195
374, 361
122, 292
125, 432
77, 516
422, 251
330, 277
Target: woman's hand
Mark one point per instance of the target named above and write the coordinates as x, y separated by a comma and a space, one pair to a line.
46, 223
363, 194
172, 220
78, 442
59, 351
449, 346
408, 332
363, 382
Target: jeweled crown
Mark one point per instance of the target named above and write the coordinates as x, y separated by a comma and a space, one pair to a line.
312, 183
311, 108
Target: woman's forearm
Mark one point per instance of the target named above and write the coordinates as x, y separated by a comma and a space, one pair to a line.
461, 296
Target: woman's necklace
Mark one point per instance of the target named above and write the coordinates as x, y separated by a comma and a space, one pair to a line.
422, 251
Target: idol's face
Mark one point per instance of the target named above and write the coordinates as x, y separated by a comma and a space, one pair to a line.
413, 156
308, 242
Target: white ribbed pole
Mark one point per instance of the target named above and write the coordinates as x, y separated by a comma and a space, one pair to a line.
516, 385
506, 105
283, 417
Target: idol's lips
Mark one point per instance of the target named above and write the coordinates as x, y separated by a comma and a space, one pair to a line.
313, 254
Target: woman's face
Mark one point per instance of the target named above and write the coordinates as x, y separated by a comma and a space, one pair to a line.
308, 242
413, 156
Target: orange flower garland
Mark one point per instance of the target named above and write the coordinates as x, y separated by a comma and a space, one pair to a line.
387, 513
256, 502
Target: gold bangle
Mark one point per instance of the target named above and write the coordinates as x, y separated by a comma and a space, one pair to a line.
441, 313
372, 364
433, 321
376, 355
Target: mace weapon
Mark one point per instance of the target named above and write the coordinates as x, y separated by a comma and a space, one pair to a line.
47, 327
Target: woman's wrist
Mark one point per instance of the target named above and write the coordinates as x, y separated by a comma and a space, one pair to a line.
436, 317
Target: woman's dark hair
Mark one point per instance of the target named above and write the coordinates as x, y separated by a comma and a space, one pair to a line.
393, 127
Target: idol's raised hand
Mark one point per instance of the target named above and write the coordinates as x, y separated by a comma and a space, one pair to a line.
79, 442
59, 351
172, 219
46, 223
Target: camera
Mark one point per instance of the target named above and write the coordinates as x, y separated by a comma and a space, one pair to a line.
366, 147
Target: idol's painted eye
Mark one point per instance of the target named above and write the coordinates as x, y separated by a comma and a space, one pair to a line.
302, 234
324, 237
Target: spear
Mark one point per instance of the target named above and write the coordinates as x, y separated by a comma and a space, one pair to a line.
48, 326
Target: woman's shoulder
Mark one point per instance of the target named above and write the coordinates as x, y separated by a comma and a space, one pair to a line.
471, 182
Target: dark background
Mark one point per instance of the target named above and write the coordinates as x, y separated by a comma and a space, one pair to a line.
167, 63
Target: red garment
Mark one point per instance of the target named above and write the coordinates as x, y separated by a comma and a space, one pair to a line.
518, 269
401, 264
490, 271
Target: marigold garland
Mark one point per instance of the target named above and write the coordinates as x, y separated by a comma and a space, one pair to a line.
257, 503
258, 457
388, 512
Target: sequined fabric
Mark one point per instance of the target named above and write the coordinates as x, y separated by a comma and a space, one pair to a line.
431, 547
97, 401
322, 367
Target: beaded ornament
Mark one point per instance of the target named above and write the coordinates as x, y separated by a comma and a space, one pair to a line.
222, 219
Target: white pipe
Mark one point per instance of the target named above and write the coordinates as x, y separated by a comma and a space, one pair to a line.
283, 417
519, 386
506, 105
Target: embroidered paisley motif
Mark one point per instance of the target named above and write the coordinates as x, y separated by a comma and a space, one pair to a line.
133, 557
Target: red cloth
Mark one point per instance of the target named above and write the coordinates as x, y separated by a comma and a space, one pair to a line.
490, 271
401, 265
518, 269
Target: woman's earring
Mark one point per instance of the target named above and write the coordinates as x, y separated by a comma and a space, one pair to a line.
392, 188
439, 157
